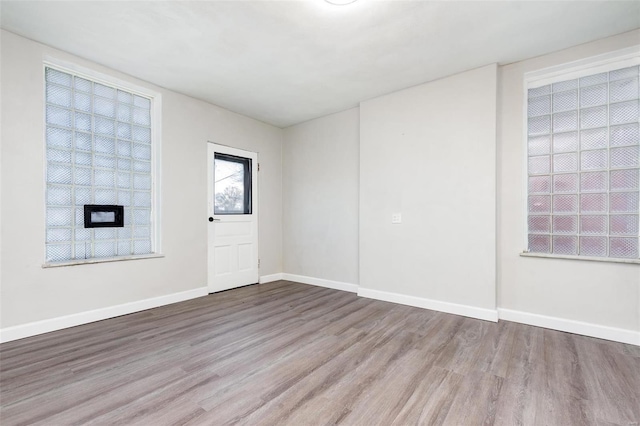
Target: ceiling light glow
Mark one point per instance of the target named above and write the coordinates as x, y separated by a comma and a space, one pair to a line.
340, 2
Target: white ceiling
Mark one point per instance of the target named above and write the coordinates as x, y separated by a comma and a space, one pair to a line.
284, 62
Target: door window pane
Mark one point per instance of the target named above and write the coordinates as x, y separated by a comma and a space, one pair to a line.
232, 177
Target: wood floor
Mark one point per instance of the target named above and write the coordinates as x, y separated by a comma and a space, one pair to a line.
292, 354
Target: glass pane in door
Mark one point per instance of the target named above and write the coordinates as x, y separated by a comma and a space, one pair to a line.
232, 184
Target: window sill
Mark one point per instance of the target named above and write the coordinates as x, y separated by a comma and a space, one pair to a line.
591, 259
102, 260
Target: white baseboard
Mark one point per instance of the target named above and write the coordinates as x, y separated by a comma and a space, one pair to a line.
270, 278
577, 327
320, 282
435, 305
572, 326
45, 326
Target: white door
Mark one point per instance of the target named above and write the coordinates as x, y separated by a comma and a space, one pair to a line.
233, 217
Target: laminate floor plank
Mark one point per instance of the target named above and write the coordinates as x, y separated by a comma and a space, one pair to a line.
463, 348
496, 349
350, 382
400, 378
431, 401
612, 382
291, 354
232, 404
520, 397
375, 347
169, 404
563, 367
476, 401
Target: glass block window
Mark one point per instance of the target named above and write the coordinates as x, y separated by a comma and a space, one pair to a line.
99, 151
584, 165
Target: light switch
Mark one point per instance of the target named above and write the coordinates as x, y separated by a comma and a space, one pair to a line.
396, 218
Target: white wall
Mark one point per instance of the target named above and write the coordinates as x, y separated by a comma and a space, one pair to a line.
429, 152
29, 292
603, 294
1, 37
320, 197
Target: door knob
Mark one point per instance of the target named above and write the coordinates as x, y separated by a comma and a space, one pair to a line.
210, 219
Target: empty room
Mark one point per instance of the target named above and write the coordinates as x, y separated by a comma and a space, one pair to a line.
319, 212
